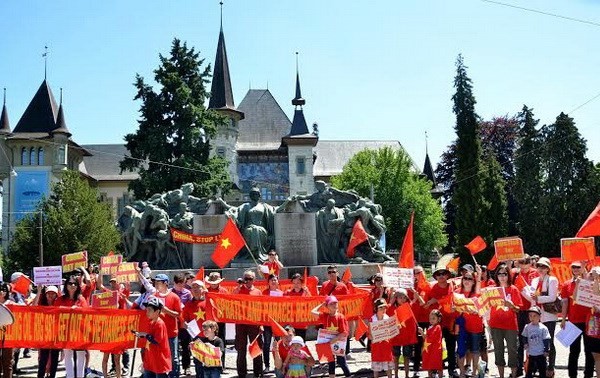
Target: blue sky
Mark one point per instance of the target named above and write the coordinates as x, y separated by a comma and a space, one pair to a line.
369, 70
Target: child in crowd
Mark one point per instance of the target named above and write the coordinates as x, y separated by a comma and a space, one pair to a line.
432, 346
210, 329
297, 360
537, 345
381, 351
406, 341
157, 357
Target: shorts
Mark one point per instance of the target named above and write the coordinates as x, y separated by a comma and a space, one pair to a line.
382, 366
406, 350
474, 342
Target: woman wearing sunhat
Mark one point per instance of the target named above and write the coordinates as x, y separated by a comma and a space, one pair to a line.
546, 293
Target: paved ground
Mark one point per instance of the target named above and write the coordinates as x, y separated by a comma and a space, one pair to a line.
359, 363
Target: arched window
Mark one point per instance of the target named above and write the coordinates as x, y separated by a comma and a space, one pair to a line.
24, 156
40, 156
32, 156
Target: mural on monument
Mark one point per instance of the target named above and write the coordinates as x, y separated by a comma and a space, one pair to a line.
145, 225
271, 176
30, 188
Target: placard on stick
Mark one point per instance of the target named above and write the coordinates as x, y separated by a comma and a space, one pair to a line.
585, 295
107, 299
72, 261
577, 249
47, 275
398, 277
109, 264
509, 249
127, 272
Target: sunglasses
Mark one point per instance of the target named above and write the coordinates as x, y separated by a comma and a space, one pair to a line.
575, 267
72, 283
206, 327
272, 254
540, 266
378, 279
502, 274
332, 272
248, 279
468, 278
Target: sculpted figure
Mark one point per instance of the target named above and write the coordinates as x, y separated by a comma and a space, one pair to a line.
318, 200
330, 227
183, 220
129, 225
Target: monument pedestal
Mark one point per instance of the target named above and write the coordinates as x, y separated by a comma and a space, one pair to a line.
206, 225
296, 238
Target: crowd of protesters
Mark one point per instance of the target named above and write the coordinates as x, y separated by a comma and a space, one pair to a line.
521, 330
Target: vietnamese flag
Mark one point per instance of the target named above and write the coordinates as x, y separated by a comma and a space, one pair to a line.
324, 352
254, 349
476, 245
358, 236
278, 330
229, 244
361, 329
432, 349
453, 264
493, 263
591, 226
520, 282
407, 253
21, 285
407, 323
200, 274
347, 276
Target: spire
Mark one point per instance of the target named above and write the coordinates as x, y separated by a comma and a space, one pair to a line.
299, 126
428, 168
40, 115
4, 124
298, 100
61, 124
45, 56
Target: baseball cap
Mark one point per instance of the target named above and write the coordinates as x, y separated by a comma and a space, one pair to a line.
297, 340
52, 289
468, 268
154, 302
198, 282
161, 277
535, 309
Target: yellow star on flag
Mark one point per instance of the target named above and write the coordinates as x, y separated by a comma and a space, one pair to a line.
225, 243
402, 324
199, 314
426, 346
332, 328
271, 271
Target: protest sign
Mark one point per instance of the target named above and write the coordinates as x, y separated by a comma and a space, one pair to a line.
325, 336
577, 249
509, 249
127, 272
47, 275
184, 237
463, 304
585, 295
258, 310
106, 299
109, 264
385, 329
72, 261
490, 297
49, 327
398, 277
208, 354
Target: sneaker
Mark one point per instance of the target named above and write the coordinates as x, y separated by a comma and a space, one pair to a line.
187, 372
124, 372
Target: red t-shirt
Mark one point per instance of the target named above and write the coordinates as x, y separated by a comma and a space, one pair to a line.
421, 313
503, 317
438, 293
381, 351
157, 357
88, 289
244, 290
408, 330
273, 268
65, 301
195, 310
335, 322
489, 282
328, 289
293, 293
219, 289
576, 313
473, 322
171, 301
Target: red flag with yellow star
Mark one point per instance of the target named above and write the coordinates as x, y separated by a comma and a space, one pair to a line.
432, 349
407, 253
358, 236
361, 329
476, 245
407, 324
254, 349
229, 244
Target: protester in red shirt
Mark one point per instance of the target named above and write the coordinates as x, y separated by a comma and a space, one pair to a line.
247, 332
274, 291
156, 359
195, 310
503, 322
485, 280
72, 298
298, 290
441, 291
577, 315
405, 343
333, 321
469, 287
332, 286
272, 266
170, 315
47, 297
422, 288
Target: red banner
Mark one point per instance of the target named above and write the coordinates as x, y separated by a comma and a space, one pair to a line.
43, 327
577, 249
561, 270
72, 261
509, 249
311, 284
258, 310
184, 237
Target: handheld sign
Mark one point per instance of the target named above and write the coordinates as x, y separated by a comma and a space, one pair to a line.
107, 299
577, 249
47, 275
385, 329
127, 272
509, 249
109, 264
72, 261
398, 277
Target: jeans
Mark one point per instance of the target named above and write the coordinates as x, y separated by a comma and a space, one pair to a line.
184, 340
450, 340
74, 358
150, 374
45, 355
267, 338
174, 346
212, 372
536, 363
552, 355
341, 361
575, 350
199, 368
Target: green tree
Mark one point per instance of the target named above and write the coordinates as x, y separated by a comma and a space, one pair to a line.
495, 213
171, 146
468, 191
444, 173
527, 189
74, 219
570, 185
399, 190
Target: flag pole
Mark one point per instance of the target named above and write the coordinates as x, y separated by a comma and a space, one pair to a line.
246, 245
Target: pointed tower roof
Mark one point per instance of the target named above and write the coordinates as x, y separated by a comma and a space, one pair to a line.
40, 115
4, 124
299, 126
428, 170
221, 93
61, 124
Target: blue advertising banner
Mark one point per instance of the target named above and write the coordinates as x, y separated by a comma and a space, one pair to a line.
30, 188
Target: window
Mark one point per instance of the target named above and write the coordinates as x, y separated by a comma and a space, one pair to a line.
221, 152
24, 156
300, 165
32, 156
40, 154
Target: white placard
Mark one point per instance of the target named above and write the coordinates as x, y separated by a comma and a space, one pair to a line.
47, 275
585, 294
385, 329
326, 336
193, 328
398, 277
567, 335
276, 293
